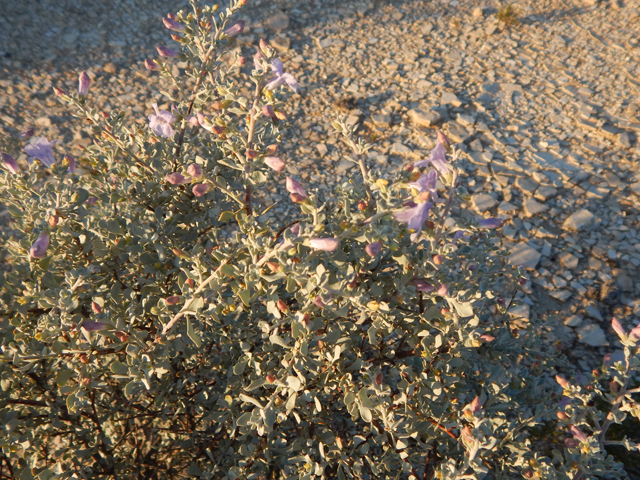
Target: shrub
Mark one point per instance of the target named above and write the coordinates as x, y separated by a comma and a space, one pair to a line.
156, 325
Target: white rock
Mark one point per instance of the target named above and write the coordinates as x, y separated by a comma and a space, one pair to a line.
483, 202
581, 220
424, 117
533, 207
451, 99
592, 334
525, 255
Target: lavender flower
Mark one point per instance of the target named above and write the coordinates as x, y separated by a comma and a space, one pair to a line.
437, 158
235, 29
167, 52
326, 244
151, 65
193, 120
275, 163
201, 189
414, 217
281, 77
373, 249
634, 334
9, 162
92, 326
160, 123
490, 223
618, 328
28, 133
194, 170
39, 247
427, 183
40, 148
171, 24
422, 285
267, 111
578, 434
84, 82
71, 161
295, 189
176, 179
257, 60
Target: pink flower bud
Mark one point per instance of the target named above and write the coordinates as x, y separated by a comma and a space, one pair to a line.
71, 161
422, 285
466, 434
318, 302
201, 189
275, 163
326, 244
442, 138
297, 198
442, 290
193, 120
10, 164
373, 249
171, 24
28, 133
151, 65
251, 153
173, 300
194, 170
562, 381
242, 61
578, 434
475, 405
267, 111
571, 443
634, 334
96, 307
486, 338
295, 188
39, 247
58, 91
562, 416
257, 60
167, 52
235, 29
264, 46
617, 327
84, 82
176, 179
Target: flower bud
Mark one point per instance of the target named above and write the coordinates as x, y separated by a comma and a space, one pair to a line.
151, 65
10, 164
53, 221
280, 115
373, 249
91, 326
264, 46
362, 205
562, 381
267, 111
442, 138
487, 338
325, 244
58, 91
438, 259
173, 300
273, 266
201, 189
96, 307
271, 149
522, 281
442, 290
318, 302
123, 337
70, 162
490, 223
271, 378
171, 24
275, 163
193, 120
618, 328
194, 170
176, 38
28, 133
613, 386
84, 82
422, 285
167, 52
282, 306
251, 153
294, 188
175, 179
379, 378
306, 319
190, 282
235, 29
39, 247
84, 359
562, 416
242, 60
578, 434
91, 201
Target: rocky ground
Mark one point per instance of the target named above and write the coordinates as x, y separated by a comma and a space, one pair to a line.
547, 111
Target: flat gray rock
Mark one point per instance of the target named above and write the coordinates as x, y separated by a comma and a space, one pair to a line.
483, 202
278, 21
591, 334
524, 255
424, 117
449, 98
581, 220
533, 207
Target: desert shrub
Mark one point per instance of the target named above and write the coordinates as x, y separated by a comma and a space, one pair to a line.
156, 325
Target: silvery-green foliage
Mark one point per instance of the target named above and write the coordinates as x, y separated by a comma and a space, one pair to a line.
170, 332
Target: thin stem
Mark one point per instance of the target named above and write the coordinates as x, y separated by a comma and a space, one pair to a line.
446, 208
247, 166
365, 180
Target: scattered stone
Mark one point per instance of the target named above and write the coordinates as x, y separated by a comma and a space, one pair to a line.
532, 207
343, 166
568, 260
635, 188
483, 202
562, 295
322, 149
281, 43
457, 133
110, 68
449, 98
527, 185
476, 146
424, 117
278, 21
466, 120
43, 122
477, 12
593, 312
544, 193
506, 208
581, 220
574, 321
525, 255
521, 311
591, 334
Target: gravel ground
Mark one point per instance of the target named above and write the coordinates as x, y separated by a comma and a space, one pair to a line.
547, 110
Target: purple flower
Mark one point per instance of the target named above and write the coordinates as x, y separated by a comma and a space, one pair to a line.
91, 201
267, 111
373, 249
193, 120
442, 138
92, 326
9, 162
634, 334
281, 77
326, 244
257, 60
275, 163
201, 189
176, 179
460, 234
490, 223
564, 403
151, 65
437, 158
72, 163
160, 123
427, 183
84, 82
171, 24
28, 133
167, 52
618, 328
40, 148
414, 217
235, 29
578, 434
294, 188
422, 285
194, 170
39, 247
